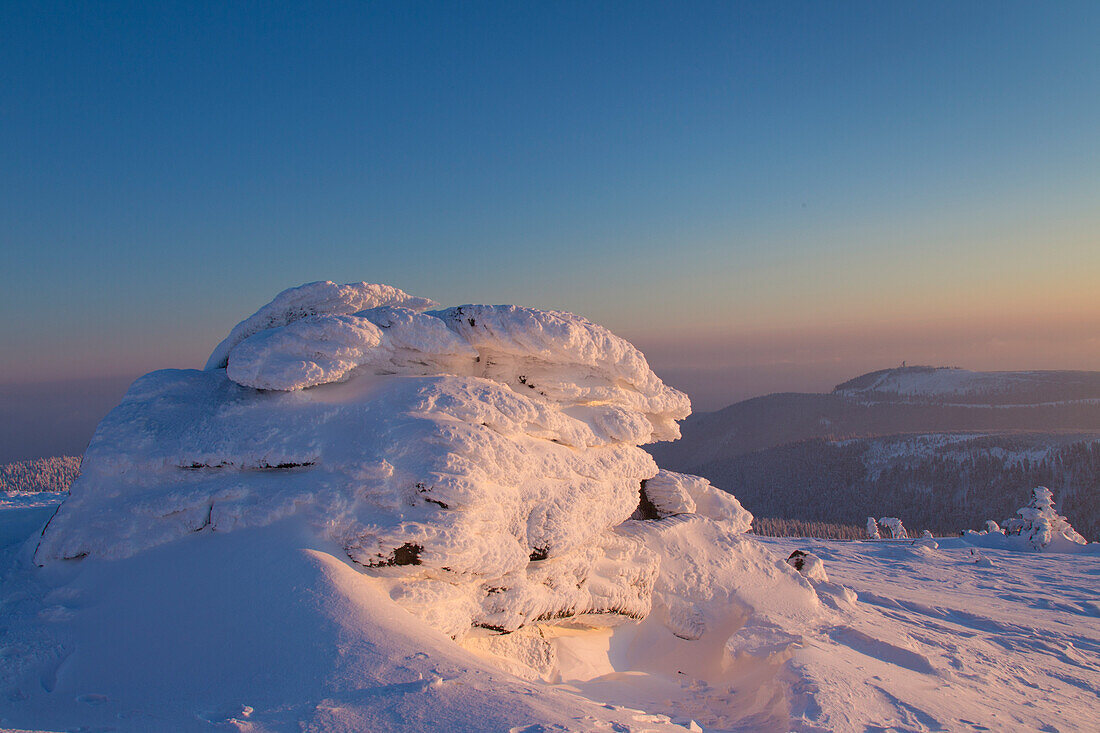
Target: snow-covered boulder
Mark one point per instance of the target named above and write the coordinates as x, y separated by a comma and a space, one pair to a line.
1042, 526
479, 459
669, 493
808, 565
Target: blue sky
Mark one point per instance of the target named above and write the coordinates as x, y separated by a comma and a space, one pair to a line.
765, 186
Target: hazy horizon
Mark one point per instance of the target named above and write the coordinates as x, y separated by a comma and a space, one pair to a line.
57, 417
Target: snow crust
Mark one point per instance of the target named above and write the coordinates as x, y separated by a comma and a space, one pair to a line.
260, 630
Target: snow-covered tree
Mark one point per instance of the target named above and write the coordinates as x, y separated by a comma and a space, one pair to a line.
894, 528
40, 474
872, 529
1040, 524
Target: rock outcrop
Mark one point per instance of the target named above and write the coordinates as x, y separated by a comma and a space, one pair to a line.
482, 460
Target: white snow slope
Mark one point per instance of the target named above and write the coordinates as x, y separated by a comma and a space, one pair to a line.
364, 516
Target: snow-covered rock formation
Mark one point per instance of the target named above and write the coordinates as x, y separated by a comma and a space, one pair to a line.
482, 459
809, 565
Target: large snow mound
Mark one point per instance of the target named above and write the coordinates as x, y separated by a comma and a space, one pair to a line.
481, 457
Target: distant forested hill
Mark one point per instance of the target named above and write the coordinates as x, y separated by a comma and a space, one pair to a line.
944, 449
40, 474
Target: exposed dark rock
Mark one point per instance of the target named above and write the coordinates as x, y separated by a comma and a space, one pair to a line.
797, 560
646, 509
406, 554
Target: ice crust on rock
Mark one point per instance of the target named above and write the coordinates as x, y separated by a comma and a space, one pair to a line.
559, 358
479, 459
478, 468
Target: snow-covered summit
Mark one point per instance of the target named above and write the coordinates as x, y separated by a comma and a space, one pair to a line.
952, 384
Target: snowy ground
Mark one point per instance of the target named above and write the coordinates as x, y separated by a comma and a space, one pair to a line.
940, 642
932, 641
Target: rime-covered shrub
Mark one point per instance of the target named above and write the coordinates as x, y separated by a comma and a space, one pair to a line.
1041, 525
895, 530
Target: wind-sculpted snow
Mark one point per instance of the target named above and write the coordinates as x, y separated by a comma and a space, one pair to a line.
477, 457
317, 298
559, 358
327, 348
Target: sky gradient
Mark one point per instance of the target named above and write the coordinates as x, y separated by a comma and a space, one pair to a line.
761, 196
